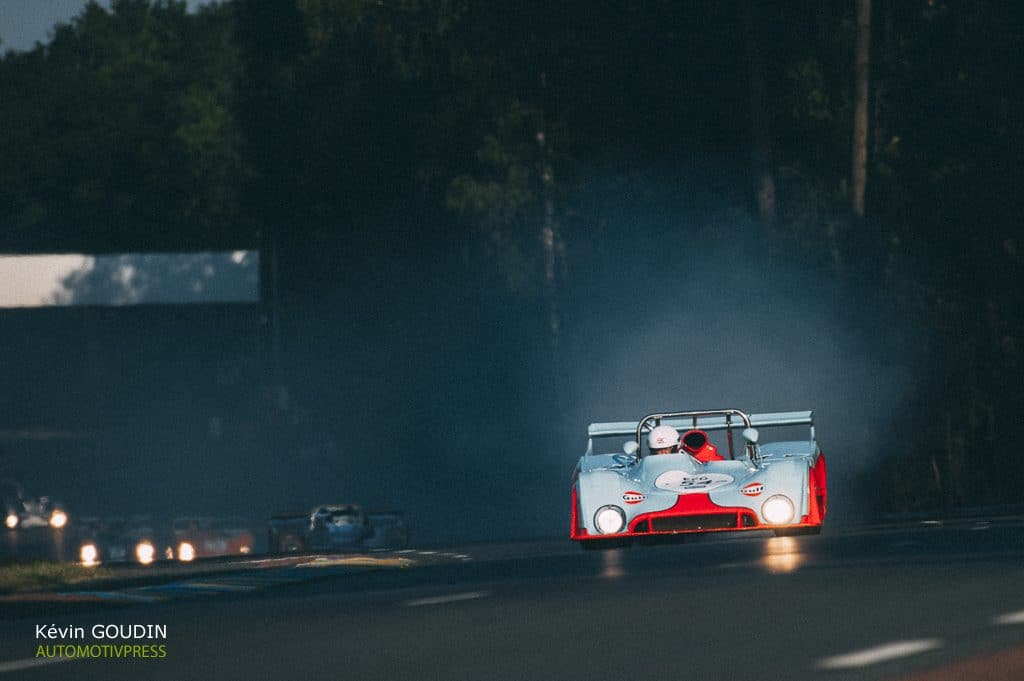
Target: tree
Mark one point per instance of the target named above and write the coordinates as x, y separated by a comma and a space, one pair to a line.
761, 158
124, 121
862, 65
512, 197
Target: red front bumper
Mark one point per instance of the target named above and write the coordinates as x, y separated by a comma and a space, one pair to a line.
692, 513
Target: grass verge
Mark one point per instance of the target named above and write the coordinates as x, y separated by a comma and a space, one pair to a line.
45, 576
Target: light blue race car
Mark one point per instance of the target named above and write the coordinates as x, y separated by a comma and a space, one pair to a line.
338, 526
669, 478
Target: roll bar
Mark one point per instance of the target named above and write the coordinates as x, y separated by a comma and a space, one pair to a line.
708, 419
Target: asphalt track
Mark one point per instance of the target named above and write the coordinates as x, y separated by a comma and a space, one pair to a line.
927, 602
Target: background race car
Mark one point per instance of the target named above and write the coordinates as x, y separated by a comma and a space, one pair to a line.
22, 511
117, 539
621, 496
338, 526
207, 537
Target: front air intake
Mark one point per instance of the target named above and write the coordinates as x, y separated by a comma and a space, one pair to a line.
706, 521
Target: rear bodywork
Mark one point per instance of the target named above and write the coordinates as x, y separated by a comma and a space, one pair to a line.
387, 530
288, 533
677, 494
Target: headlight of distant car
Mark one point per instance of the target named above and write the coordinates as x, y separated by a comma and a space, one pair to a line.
58, 519
609, 520
144, 552
89, 554
11, 521
186, 551
778, 510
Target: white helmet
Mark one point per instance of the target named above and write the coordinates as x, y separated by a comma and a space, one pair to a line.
663, 436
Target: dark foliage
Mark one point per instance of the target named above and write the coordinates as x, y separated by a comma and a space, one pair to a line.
389, 153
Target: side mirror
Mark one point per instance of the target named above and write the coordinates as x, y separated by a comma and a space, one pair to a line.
631, 447
751, 435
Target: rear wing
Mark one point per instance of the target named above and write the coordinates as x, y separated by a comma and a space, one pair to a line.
720, 419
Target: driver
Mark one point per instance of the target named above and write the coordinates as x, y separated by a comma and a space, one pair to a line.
663, 440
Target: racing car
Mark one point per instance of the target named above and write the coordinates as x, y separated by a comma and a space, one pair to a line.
337, 526
23, 511
117, 539
207, 537
637, 492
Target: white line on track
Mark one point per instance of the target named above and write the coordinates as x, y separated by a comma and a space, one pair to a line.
31, 662
451, 598
879, 654
1010, 618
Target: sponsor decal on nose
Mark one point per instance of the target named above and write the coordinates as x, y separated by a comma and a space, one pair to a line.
633, 497
681, 482
753, 489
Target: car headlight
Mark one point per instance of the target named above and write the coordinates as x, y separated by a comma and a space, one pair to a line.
186, 551
11, 521
58, 519
144, 552
777, 510
610, 520
88, 554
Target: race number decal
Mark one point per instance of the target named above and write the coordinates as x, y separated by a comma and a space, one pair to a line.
681, 482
